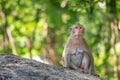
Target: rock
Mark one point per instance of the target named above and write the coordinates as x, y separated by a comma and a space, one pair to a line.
16, 68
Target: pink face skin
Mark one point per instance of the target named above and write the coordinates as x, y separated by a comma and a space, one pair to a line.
78, 30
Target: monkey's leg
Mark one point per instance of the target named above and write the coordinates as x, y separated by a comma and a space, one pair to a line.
75, 67
86, 63
91, 69
85, 69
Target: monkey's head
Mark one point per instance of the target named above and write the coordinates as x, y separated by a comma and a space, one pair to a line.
77, 29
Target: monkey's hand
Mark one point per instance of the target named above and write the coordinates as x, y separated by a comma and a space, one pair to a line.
65, 63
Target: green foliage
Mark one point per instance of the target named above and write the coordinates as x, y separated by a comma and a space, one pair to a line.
32, 21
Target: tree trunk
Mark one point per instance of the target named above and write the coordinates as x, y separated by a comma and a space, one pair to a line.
112, 11
49, 51
11, 41
114, 34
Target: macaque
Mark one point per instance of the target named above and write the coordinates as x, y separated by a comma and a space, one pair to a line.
76, 54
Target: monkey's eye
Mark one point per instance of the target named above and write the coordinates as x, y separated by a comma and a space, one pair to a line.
80, 27
76, 27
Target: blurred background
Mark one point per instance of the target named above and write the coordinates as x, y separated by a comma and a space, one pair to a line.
38, 29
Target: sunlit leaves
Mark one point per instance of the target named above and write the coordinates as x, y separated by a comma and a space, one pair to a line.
31, 21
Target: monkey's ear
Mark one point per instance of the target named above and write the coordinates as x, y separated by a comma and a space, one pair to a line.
83, 30
70, 29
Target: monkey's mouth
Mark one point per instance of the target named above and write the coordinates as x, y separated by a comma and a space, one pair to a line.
79, 33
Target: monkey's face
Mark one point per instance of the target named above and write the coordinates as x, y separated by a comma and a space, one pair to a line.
77, 30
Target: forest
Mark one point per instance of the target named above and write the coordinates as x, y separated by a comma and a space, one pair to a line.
40, 28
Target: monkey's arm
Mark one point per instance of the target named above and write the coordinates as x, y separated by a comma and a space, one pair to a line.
91, 57
66, 58
66, 54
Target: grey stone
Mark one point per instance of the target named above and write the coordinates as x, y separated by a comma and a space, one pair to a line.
16, 68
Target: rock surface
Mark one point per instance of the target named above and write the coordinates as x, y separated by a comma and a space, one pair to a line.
16, 68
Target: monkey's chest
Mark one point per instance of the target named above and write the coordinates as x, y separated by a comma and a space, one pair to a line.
76, 58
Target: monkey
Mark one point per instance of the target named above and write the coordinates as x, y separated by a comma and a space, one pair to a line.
76, 54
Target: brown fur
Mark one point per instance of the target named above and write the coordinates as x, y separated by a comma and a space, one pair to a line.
77, 44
